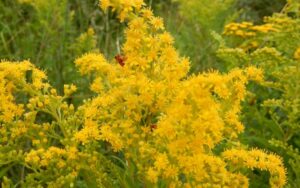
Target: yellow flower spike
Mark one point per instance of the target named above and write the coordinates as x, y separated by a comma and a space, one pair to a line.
259, 159
107, 135
124, 8
166, 38
53, 92
255, 73
93, 62
152, 175
104, 4
147, 13
157, 23
161, 162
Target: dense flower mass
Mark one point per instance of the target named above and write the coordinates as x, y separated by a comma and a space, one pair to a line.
149, 119
150, 107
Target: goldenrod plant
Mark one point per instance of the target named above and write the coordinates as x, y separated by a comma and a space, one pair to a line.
150, 124
37, 134
47, 33
274, 106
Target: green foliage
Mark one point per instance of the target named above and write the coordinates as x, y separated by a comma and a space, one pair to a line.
256, 10
192, 22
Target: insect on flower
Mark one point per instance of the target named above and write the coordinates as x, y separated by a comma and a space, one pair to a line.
153, 127
120, 59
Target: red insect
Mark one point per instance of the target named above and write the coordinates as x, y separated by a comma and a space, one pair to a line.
153, 126
120, 59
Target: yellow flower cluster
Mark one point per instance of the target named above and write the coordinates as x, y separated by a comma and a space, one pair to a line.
252, 35
166, 122
247, 29
259, 159
125, 8
93, 63
12, 78
27, 139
